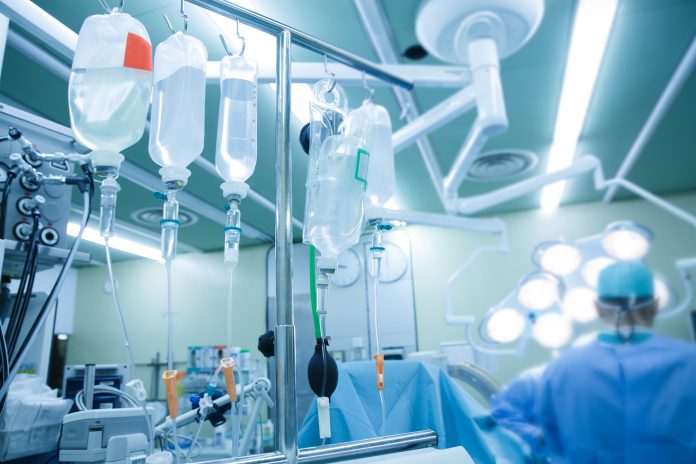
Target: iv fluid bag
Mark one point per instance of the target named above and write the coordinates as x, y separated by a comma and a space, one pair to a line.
373, 123
333, 220
110, 82
235, 153
178, 101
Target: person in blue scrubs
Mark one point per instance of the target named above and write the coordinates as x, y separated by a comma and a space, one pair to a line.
628, 397
513, 407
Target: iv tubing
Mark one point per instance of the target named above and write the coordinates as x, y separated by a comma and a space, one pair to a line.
124, 332
313, 291
170, 317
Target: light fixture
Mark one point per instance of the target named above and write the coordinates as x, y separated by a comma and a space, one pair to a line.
591, 29
579, 304
538, 291
91, 234
62, 337
626, 241
662, 293
505, 325
552, 330
592, 269
557, 257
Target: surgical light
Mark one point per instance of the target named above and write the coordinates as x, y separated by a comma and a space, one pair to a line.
92, 234
592, 269
591, 29
626, 241
552, 330
579, 304
558, 258
538, 291
505, 325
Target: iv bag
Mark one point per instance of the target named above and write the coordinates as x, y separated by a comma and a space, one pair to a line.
373, 123
111, 82
235, 153
177, 124
336, 180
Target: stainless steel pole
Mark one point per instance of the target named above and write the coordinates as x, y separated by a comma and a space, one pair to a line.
286, 420
266, 24
88, 386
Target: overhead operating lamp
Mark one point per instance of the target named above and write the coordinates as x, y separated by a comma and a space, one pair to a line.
626, 240
538, 291
558, 257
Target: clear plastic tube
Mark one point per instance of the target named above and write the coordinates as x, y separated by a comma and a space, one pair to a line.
124, 332
170, 317
377, 253
229, 312
170, 226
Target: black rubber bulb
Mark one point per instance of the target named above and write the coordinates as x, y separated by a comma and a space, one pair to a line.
315, 372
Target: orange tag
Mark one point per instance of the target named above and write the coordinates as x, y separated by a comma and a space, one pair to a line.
169, 378
379, 359
227, 366
138, 53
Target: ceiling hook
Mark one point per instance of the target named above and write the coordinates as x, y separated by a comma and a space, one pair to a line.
112, 10
367, 87
183, 15
332, 76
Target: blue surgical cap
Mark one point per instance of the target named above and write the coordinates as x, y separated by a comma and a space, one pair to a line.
625, 280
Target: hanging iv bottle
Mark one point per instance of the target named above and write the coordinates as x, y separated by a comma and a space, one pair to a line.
235, 153
177, 123
377, 129
110, 85
335, 186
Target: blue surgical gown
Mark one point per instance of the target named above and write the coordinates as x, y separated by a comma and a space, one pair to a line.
513, 407
417, 397
621, 403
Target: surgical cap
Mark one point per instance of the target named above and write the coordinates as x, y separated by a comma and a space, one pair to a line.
625, 280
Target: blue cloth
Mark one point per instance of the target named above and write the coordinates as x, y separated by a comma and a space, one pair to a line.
628, 403
625, 279
417, 396
513, 407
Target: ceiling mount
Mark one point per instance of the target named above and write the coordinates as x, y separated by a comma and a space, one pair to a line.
445, 27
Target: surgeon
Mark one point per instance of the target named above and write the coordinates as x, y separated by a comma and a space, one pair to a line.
628, 397
513, 407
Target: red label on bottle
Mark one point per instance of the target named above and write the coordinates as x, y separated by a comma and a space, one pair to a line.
138, 53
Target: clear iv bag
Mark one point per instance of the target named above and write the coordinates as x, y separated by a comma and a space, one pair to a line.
235, 153
110, 82
336, 178
177, 125
372, 122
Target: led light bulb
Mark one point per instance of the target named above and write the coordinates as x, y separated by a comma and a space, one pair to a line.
505, 325
552, 330
592, 269
579, 304
558, 258
538, 291
626, 241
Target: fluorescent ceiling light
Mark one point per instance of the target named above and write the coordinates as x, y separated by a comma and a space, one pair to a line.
91, 234
591, 29
261, 47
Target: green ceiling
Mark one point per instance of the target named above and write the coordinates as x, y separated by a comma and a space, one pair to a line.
647, 43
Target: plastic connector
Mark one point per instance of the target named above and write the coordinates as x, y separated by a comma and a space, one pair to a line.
379, 361
227, 365
169, 378
324, 416
136, 387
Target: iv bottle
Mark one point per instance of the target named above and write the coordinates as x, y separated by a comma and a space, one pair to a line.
177, 123
376, 126
235, 153
334, 214
110, 82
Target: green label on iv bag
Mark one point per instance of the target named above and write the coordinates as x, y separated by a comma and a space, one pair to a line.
361, 164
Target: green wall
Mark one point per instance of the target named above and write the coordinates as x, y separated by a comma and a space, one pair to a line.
200, 286
200, 302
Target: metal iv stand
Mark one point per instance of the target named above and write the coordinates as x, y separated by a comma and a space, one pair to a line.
286, 412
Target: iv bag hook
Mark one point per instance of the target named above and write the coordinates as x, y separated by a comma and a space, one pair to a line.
112, 10
332, 75
367, 87
183, 15
239, 36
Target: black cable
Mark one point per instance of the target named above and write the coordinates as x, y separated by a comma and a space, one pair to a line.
16, 320
28, 292
3, 203
51, 295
